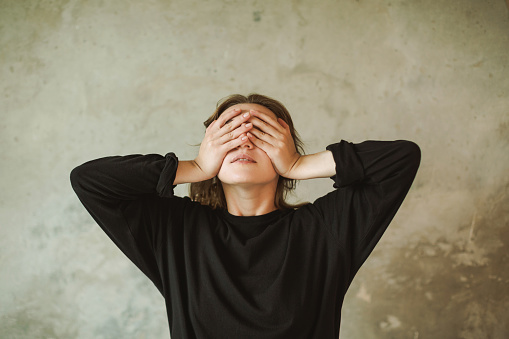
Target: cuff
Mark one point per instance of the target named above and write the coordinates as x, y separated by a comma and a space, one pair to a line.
349, 169
165, 185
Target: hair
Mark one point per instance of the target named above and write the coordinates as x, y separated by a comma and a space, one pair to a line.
210, 192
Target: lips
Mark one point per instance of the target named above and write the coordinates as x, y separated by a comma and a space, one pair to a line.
243, 158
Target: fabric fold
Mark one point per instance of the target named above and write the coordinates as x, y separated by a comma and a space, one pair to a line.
349, 169
165, 185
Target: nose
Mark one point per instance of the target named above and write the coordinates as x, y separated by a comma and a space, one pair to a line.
248, 144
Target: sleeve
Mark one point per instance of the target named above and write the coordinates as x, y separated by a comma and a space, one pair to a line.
117, 191
372, 179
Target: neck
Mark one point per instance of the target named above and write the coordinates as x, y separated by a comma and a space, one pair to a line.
250, 200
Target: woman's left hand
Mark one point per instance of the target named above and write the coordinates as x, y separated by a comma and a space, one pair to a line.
274, 138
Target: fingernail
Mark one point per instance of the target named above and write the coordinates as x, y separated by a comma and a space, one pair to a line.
246, 115
243, 138
248, 124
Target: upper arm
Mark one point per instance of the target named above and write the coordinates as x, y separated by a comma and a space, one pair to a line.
373, 179
120, 193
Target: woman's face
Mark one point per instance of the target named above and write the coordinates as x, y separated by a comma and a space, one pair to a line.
248, 164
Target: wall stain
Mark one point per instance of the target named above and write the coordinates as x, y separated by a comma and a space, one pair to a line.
35, 321
444, 289
503, 130
257, 16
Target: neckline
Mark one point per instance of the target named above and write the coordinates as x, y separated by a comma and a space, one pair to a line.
261, 219
248, 227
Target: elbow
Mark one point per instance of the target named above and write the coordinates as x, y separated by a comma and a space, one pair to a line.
76, 177
411, 153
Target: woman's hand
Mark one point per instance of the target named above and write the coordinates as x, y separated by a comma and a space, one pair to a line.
221, 136
275, 139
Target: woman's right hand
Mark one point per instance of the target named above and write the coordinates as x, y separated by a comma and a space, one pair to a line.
221, 136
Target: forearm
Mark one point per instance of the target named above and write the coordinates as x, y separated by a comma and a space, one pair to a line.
318, 165
118, 177
189, 171
389, 164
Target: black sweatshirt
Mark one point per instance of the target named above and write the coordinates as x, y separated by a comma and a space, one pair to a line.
279, 275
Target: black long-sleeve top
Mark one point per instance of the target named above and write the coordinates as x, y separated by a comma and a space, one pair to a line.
279, 275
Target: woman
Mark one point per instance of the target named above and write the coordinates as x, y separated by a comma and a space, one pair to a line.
236, 260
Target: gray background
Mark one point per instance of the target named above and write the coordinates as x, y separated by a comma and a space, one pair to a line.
85, 79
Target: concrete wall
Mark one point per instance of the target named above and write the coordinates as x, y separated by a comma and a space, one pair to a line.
85, 79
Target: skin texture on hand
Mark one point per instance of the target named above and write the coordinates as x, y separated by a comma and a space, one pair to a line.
234, 131
221, 136
274, 138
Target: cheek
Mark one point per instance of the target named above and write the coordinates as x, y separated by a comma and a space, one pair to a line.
223, 169
264, 160
221, 175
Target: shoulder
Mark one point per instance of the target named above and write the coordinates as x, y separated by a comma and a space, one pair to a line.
306, 214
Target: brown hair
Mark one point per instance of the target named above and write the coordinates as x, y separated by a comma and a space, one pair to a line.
210, 192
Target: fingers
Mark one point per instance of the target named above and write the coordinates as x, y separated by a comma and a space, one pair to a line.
229, 118
268, 121
233, 129
263, 130
258, 142
259, 138
240, 140
235, 133
230, 125
226, 116
268, 129
269, 134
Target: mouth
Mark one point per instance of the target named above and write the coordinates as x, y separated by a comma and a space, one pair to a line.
243, 158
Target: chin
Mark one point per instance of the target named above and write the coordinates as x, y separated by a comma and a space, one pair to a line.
252, 177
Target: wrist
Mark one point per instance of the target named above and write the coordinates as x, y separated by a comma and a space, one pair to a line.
317, 165
189, 171
200, 170
293, 171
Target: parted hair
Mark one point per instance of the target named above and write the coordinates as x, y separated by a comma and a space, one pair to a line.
210, 192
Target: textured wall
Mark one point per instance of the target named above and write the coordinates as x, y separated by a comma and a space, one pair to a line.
85, 79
